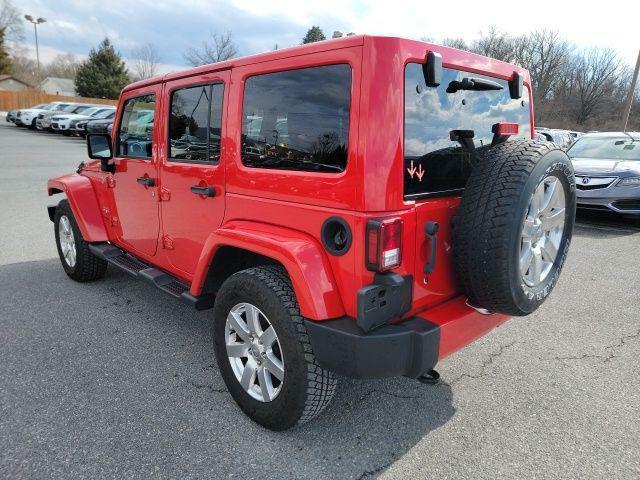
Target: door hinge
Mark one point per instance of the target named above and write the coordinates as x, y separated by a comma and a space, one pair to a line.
165, 195
167, 242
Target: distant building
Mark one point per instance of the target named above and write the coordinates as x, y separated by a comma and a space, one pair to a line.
58, 86
7, 82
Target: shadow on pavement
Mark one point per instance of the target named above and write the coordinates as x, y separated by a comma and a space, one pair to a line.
605, 225
116, 379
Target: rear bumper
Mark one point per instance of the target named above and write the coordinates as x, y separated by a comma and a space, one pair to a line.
408, 348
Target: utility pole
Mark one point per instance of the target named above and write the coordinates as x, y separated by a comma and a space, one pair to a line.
36, 22
630, 96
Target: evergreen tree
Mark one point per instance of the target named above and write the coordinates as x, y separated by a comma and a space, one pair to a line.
103, 74
5, 61
314, 34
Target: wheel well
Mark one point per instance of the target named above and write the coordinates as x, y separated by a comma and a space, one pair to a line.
230, 260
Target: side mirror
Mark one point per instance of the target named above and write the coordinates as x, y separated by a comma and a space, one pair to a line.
99, 148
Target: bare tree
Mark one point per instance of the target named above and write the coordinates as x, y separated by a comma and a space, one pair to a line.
63, 66
220, 47
594, 81
543, 53
11, 22
458, 43
144, 62
496, 44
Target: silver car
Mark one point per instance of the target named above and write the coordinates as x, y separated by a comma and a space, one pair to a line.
607, 167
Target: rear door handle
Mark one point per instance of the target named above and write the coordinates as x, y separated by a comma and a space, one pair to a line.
206, 191
146, 181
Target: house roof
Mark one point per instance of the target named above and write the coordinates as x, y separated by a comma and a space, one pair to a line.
59, 84
11, 77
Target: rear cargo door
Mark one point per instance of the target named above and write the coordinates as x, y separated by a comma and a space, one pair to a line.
437, 168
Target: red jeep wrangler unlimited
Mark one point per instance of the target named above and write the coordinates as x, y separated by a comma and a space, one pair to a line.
364, 206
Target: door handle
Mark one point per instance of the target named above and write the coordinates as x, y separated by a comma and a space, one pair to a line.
206, 191
146, 181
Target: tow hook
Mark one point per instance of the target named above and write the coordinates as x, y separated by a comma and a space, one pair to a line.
429, 378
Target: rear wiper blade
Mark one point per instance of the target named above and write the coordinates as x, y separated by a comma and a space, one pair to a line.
469, 83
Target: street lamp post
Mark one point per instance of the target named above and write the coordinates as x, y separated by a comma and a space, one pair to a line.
36, 22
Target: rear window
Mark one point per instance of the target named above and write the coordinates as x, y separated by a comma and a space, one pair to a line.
435, 165
297, 120
619, 148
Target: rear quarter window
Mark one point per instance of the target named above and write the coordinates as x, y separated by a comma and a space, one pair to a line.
297, 119
433, 164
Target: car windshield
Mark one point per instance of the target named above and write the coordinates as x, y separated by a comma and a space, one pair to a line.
104, 113
617, 148
67, 108
90, 111
41, 106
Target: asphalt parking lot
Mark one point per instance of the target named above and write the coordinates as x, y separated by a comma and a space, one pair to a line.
114, 379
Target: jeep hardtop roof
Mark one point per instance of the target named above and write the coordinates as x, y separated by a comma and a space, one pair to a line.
474, 62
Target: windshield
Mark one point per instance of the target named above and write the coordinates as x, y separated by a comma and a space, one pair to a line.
434, 164
104, 113
67, 107
90, 111
616, 148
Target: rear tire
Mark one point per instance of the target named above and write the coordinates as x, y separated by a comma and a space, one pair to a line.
306, 388
509, 246
76, 258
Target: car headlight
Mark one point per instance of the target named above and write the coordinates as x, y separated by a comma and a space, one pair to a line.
628, 182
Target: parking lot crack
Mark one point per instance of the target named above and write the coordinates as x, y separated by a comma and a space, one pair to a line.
207, 385
485, 365
611, 350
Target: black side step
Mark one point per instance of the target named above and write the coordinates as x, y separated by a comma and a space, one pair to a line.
156, 277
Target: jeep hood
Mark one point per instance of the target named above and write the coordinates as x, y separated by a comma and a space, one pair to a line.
603, 166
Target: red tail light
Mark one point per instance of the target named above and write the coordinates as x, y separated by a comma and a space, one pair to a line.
384, 244
505, 129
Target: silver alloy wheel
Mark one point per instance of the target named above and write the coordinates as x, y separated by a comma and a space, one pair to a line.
254, 352
67, 241
542, 231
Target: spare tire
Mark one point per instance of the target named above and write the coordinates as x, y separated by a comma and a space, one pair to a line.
513, 228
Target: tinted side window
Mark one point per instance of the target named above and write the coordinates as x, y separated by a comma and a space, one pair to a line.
297, 120
189, 123
135, 138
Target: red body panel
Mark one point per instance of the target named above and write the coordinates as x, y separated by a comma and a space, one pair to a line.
300, 254
279, 213
84, 205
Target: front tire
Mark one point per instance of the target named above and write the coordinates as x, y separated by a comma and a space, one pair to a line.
263, 350
76, 258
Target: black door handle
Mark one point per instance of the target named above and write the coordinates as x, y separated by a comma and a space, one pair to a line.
430, 230
146, 181
206, 191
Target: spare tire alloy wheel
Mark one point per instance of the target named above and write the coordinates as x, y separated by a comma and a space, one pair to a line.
254, 352
542, 231
514, 225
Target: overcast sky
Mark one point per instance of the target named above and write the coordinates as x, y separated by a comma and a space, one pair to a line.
75, 26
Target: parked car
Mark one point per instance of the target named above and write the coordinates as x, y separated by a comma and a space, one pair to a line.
65, 123
564, 138
47, 119
55, 108
97, 122
381, 238
13, 114
607, 168
26, 117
